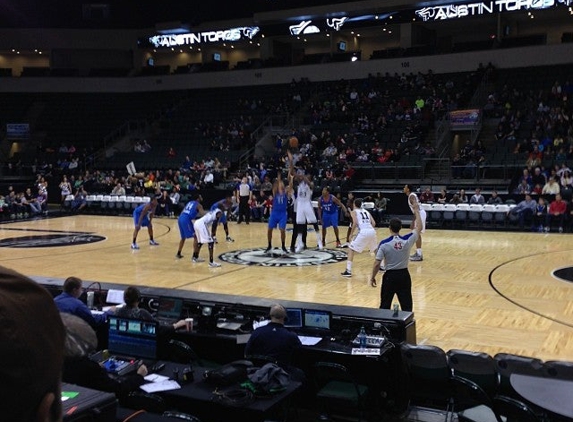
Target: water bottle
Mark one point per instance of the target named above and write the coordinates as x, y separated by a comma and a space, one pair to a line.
90, 300
396, 309
362, 338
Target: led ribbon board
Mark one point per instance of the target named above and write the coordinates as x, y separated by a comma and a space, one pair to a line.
455, 11
227, 35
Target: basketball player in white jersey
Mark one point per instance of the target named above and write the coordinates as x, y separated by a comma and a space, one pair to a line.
413, 202
202, 228
362, 221
303, 207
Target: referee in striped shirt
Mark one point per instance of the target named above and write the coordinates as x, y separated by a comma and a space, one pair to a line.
395, 252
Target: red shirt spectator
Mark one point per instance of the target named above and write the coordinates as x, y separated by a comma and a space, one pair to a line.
558, 206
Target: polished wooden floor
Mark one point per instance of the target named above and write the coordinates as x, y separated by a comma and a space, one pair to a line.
483, 291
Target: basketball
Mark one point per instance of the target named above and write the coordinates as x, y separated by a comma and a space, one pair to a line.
293, 142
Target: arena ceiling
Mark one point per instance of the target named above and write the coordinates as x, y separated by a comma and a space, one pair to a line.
140, 13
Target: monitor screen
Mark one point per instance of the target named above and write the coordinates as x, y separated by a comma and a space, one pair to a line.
294, 318
170, 307
132, 337
342, 46
216, 57
317, 319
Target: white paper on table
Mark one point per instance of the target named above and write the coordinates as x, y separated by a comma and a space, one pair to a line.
309, 341
114, 296
154, 387
155, 378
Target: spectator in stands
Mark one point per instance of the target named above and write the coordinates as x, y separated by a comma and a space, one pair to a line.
523, 210
31, 351
463, 197
538, 178
455, 199
380, 207
477, 197
540, 215
79, 369
41, 201
164, 205
494, 199
534, 158
208, 179
566, 179
68, 301
256, 206
551, 187
556, 212
522, 188
427, 196
118, 189
442, 197
80, 200
458, 164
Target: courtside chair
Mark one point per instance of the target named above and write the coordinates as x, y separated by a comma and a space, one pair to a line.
487, 215
180, 352
474, 215
428, 376
507, 364
478, 367
140, 400
559, 369
337, 391
178, 416
514, 410
472, 403
449, 214
437, 214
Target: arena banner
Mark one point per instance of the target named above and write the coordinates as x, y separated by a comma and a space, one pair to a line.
464, 119
18, 131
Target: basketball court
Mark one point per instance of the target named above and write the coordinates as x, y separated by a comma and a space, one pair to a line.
475, 290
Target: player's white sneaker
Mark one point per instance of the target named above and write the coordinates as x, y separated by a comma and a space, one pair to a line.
153, 243
134, 246
214, 264
197, 260
299, 247
416, 257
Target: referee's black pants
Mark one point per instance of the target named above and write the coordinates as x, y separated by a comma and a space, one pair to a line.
244, 209
399, 283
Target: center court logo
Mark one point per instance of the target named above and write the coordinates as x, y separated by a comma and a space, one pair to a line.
50, 240
277, 259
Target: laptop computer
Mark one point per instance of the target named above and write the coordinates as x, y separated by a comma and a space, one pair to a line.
85, 404
169, 310
294, 318
129, 342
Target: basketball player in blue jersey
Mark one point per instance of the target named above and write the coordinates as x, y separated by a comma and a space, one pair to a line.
414, 202
279, 211
225, 205
328, 206
192, 210
142, 217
